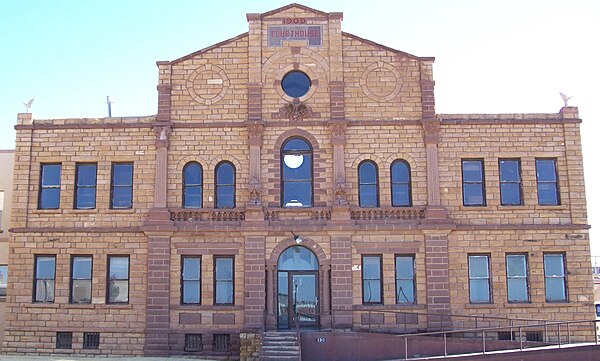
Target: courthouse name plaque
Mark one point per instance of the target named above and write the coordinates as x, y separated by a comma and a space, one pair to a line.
279, 33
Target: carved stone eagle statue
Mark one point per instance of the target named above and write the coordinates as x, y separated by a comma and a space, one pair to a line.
28, 105
565, 98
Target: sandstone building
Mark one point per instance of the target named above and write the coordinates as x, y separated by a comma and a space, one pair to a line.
293, 168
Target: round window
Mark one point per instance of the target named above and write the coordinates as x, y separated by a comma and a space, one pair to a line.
295, 84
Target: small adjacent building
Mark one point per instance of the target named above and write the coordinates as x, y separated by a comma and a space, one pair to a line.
6, 163
293, 173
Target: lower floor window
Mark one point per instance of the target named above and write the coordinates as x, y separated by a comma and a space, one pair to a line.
64, 340
555, 277
193, 342
118, 279
480, 290
221, 342
91, 340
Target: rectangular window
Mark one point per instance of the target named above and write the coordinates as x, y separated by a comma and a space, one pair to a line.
1, 208
85, 186
223, 280
64, 340
405, 279
473, 182
547, 182
517, 282
121, 188
43, 286
3, 279
91, 340
480, 290
81, 279
221, 342
193, 342
190, 280
118, 279
555, 277
510, 182
49, 196
371, 279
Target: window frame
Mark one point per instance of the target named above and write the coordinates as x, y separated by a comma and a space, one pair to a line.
282, 154
35, 278
362, 279
218, 185
71, 278
108, 279
526, 278
183, 280
488, 278
185, 186
556, 182
414, 278
4, 285
519, 182
482, 183
407, 184
215, 281
112, 185
564, 278
77, 186
42, 187
361, 183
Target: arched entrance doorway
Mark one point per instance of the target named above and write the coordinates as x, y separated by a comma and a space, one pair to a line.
297, 288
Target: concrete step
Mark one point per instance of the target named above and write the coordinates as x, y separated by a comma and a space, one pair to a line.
280, 358
281, 348
281, 344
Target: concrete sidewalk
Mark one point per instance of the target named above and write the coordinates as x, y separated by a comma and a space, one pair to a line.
98, 358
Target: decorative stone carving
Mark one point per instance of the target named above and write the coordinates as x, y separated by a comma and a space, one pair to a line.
255, 133
341, 190
295, 111
162, 136
255, 189
338, 132
431, 128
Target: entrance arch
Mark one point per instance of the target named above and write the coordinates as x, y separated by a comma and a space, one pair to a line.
297, 288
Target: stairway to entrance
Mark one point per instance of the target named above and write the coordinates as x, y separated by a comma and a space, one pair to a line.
280, 346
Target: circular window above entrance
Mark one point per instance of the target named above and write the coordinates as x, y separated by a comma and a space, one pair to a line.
295, 84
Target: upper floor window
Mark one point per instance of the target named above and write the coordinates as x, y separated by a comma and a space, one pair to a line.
547, 182
223, 280
118, 279
405, 279
480, 288
192, 185
81, 279
510, 182
555, 277
473, 182
43, 285
296, 173
401, 186
368, 187
49, 197
295, 84
121, 186
225, 185
372, 280
516, 278
85, 186
190, 280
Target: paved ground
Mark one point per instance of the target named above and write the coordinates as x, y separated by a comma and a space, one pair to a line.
99, 358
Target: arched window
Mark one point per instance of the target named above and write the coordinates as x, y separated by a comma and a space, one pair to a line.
297, 258
368, 187
401, 188
296, 173
225, 185
192, 185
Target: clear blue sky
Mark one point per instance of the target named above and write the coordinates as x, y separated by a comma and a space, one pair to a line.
509, 56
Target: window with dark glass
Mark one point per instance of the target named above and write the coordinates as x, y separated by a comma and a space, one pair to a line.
555, 277
516, 278
401, 186
193, 342
81, 279
118, 279
49, 196
43, 286
85, 186
64, 340
368, 188
121, 186
192, 185
296, 173
225, 185
473, 182
405, 279
295, 84
3, 279
223, 280
480, 290
190, 280
221, 342
547, 182
372, 283
510, 182
91, 340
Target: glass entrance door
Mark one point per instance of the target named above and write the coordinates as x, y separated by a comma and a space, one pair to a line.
297, 295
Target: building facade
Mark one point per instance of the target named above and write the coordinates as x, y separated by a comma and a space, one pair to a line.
294, 173
6, 163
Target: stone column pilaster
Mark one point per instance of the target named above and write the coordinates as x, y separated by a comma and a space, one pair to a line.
438, 280
254, 282
341, 279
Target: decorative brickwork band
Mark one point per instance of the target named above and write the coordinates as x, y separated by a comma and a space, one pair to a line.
336, 96
254, 101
